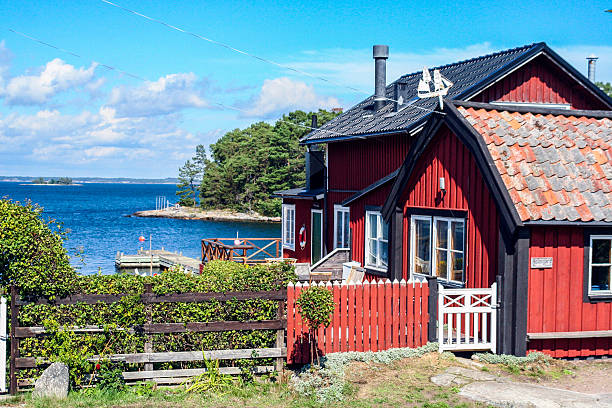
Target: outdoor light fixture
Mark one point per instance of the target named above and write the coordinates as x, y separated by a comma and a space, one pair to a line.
442, 184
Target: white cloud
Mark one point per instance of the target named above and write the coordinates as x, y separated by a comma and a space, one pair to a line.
284, 94
55, 77
166, 95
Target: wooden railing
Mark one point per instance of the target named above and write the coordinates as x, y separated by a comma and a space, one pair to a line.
250, 250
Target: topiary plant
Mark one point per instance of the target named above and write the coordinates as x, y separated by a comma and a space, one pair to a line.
316, 306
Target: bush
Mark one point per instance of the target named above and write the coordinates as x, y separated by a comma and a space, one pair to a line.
32, 255
327, 383
315, 305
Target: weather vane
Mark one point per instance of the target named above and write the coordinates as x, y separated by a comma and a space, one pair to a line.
440, 83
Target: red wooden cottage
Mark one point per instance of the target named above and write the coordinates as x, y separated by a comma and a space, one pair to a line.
510, 182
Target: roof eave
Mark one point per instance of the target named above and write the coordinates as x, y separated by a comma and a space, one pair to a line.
378, 183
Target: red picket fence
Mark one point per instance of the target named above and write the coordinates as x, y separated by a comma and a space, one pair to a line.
368, 317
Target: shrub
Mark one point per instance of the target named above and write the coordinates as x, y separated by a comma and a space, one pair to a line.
327, 383
32, 255
316, 305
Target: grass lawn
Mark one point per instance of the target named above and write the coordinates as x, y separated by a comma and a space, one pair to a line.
404, 382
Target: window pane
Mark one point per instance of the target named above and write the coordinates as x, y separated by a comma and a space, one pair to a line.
442, 233
384, 254
441, 267
600, 278
372, 252
601, 251
385, 230
457, 236
338, 230
422, 255
345, 216
457, 266
372, 219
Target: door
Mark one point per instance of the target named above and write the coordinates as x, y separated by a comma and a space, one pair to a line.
316, 236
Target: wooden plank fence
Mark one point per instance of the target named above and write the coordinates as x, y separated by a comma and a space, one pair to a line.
367, 317
148, 358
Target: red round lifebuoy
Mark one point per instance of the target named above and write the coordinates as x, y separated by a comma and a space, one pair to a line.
303, 236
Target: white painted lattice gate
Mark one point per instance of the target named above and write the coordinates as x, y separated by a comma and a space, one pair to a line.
467, 319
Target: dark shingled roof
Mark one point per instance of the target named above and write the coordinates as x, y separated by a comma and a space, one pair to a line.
466, 75
299, 192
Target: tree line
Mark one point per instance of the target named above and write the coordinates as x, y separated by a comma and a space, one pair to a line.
247, 165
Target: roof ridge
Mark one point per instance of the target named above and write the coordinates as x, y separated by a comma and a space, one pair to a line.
493, 54
531, 109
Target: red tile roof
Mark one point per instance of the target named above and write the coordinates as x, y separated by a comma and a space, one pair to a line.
555, 166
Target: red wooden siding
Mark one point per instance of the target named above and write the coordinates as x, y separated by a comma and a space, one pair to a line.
302, 217
540, 81
356, 164
368, 317
556, 296
447, 157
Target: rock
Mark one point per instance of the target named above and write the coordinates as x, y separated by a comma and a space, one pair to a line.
521, 395
473, 374
447, 380
53, 383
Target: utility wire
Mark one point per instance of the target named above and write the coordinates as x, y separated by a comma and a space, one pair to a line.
266, 60
219, 104
110, 67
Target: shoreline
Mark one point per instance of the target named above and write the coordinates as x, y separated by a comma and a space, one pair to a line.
49, 184
185, 213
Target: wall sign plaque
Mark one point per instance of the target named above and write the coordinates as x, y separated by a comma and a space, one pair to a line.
541, 263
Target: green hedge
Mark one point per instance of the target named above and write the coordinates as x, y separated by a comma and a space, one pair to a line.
217, 276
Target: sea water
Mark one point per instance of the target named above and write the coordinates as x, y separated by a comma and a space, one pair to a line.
97, 216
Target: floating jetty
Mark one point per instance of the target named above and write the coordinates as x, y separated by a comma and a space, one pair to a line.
156, 259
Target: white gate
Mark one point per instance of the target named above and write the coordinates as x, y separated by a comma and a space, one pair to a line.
467, 319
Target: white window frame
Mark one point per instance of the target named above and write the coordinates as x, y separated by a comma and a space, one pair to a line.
433, 249
413, 242
288, 235
592, 292
379, 239
339, 212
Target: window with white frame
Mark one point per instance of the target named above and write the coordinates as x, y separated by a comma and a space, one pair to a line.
600, 264
377, 241
437, 247
341, 226
288, 227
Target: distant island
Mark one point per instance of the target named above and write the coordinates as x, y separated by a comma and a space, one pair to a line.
83, 180
187, 213
60, 181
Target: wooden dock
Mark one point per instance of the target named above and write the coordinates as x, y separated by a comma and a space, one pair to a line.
159, 259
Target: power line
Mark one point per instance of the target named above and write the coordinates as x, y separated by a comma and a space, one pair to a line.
246, 53
221, 105
110, 67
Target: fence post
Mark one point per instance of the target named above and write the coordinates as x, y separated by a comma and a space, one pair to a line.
280, 335
3, 344
14, 341
148, 347
432, 306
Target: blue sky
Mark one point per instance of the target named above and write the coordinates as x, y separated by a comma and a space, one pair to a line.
62, 115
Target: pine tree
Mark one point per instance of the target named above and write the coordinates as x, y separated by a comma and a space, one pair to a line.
188, 175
